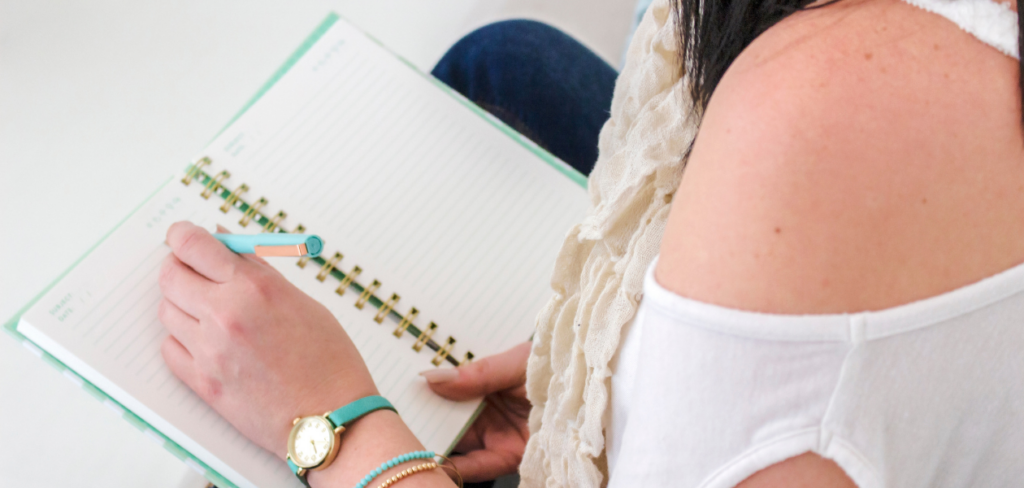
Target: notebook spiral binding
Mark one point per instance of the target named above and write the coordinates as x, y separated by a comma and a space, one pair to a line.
214, 184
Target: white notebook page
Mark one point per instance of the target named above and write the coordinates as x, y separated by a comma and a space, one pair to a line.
456, 217
442, 208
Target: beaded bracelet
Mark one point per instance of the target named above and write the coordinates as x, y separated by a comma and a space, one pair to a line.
406, 472
395, 461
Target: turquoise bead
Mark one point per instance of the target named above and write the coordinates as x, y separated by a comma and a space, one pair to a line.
395, 461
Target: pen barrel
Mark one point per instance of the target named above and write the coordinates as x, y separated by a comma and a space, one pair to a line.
246, 243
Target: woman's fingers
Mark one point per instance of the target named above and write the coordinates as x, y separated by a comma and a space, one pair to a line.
483, 377
485, 465
473, 439
181, 325
202, 252
185, 288
178, 360
183, 365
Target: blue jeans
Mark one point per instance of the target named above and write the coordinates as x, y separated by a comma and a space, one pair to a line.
539, 81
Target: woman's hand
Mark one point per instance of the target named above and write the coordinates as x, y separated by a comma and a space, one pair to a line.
495, 443
249, 343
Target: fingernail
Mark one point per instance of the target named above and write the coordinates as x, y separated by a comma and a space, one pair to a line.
435, 376
221, 229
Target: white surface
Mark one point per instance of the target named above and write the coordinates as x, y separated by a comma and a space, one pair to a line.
98, 105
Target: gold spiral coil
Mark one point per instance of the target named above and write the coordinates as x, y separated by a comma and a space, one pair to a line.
252, 212
195, 170
366, 294
406, 322
443, 352
272, 224
229, 202
386, 307
325, 270
214, 184
348, 279
424, 337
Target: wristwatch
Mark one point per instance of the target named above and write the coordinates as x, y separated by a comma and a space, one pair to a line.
314, 441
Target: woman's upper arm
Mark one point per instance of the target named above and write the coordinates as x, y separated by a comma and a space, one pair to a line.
776, 176
842, 168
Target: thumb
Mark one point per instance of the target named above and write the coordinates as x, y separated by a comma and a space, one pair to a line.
481, 377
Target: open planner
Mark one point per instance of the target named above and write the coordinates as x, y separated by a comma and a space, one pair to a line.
440, 226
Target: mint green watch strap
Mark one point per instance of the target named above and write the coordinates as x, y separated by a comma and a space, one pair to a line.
358, 408
295, 469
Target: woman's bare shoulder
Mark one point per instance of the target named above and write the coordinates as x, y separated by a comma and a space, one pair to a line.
854, 157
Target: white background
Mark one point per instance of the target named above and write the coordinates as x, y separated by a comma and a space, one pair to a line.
99, 104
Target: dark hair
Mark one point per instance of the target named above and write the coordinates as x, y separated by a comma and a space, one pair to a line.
712, 33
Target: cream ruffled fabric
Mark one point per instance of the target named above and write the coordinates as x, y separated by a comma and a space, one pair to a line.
599, 273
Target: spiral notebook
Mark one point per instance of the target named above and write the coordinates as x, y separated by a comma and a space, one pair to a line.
440, 224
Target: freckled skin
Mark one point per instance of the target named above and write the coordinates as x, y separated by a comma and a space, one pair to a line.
896, 185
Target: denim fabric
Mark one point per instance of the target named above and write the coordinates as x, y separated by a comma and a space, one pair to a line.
539, 81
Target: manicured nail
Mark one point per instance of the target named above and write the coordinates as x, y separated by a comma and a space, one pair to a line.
442, 375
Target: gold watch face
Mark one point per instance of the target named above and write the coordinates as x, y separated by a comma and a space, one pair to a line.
310, 442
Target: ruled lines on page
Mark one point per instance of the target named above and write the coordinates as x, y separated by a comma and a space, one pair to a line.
423, 194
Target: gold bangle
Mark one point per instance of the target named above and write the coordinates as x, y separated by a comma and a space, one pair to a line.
449, 464
407, 472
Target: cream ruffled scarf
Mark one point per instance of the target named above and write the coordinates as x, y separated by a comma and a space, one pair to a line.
599, 273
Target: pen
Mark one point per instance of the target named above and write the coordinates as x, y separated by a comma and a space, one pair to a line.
277, 244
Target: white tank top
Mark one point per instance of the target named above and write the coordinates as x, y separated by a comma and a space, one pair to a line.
929, 394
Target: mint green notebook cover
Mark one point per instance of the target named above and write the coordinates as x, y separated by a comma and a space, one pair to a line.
213, 476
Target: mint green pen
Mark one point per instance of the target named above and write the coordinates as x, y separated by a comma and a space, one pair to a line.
276, 244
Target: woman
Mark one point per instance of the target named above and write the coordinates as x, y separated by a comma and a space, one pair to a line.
860, 156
